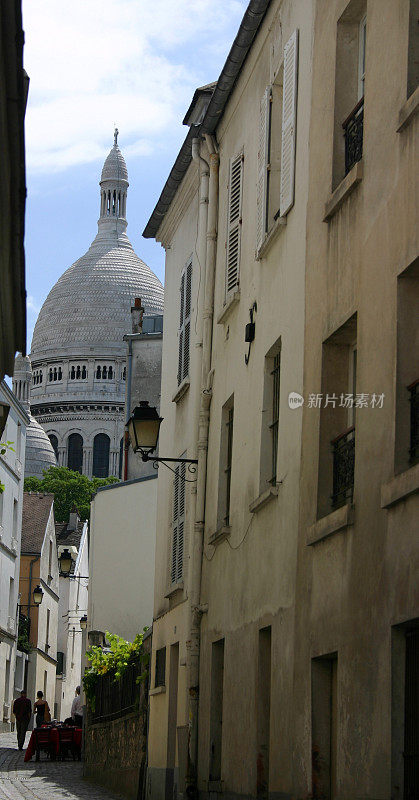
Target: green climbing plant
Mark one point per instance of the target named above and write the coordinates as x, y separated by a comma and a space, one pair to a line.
115, 659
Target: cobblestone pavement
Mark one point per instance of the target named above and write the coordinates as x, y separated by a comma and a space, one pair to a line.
43, 780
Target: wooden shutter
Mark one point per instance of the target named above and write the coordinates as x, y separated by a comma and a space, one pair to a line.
289, 116
178, 525
184, 322
264, 132
234, 223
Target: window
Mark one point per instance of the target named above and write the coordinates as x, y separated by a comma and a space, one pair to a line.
124, 374
54, 441
110, 373
18, 440
324, 722
73, 638
289, 117
407, 380
45, 684
84, 373
15, 518
216, 709
98, 373
75, 452
270, 417
349, 89
178, 524
234, 222
160, 673
72, 373
226, 457
184, 323
50, 374
78, 373
104, 373
121, 458
337, 419
101, 447
60, 373
50, 559
12, 606
60, 662
413, 48
47, 630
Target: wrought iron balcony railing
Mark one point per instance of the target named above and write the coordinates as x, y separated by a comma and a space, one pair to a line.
343, 449
353, 131
414, 421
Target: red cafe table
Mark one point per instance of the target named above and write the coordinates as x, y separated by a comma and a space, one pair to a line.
53, 741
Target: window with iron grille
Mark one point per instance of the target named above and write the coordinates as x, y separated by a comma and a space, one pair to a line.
184, 322
178, 524
160, 674
234, 221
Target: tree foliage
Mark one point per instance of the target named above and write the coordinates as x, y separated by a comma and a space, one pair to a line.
69, 489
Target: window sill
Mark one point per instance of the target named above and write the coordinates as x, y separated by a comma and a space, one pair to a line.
231, 302
270, 237
345, 188
335, 522
175, 587
263, 499
157, 690
181, 390
408, 110
220, 535
400, 487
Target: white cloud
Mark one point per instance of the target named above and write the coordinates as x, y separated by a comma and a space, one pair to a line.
32, 305
133, 62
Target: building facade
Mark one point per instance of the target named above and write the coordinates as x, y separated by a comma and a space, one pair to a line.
355, 703
78, 354
39, 566
39, 452
12, 467
286, 604
73, 593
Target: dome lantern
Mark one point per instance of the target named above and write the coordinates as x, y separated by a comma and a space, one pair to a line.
113, 188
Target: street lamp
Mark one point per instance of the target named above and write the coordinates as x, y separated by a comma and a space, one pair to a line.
37, 595
143, 428
65, 562
83, 622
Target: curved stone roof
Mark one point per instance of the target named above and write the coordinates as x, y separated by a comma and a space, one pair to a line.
90, 304
39, 454
114, 168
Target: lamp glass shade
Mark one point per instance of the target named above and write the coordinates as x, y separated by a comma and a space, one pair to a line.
143, 428
65, 561
37, 595
83, 622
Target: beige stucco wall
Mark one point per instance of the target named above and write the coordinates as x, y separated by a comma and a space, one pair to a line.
360, 581
122, 529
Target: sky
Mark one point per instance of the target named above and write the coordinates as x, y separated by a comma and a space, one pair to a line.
94, 64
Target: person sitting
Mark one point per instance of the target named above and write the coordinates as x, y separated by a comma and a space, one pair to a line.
41, 709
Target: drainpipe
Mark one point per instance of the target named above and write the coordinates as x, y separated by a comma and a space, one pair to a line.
127, 407
195, 611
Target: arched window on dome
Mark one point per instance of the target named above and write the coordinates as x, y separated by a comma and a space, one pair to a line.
124, 374
98, 373
110, 373
101, 447
40, 376
121, 457
50, 374
75, 452
104, 373
72, 373
78, 373
54, 441
84, 373
60, 373
55, 373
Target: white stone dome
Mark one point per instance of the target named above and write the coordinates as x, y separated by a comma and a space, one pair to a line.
39, 454
90, 305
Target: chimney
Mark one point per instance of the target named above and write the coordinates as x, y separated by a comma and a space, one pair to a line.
73, 519
137, 312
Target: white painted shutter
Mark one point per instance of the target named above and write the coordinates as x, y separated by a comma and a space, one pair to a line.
178, 525
289, 117
184, 323
234, 223
264, 118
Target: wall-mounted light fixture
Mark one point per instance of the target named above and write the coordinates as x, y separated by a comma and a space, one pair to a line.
143, 428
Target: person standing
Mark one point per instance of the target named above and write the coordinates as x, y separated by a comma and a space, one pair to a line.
41, 709
77, 709
22, 709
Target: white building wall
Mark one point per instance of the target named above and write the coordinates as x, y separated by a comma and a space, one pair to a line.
122, 543
12, 466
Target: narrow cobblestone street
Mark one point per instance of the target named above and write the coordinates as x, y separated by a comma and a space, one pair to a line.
45, 780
